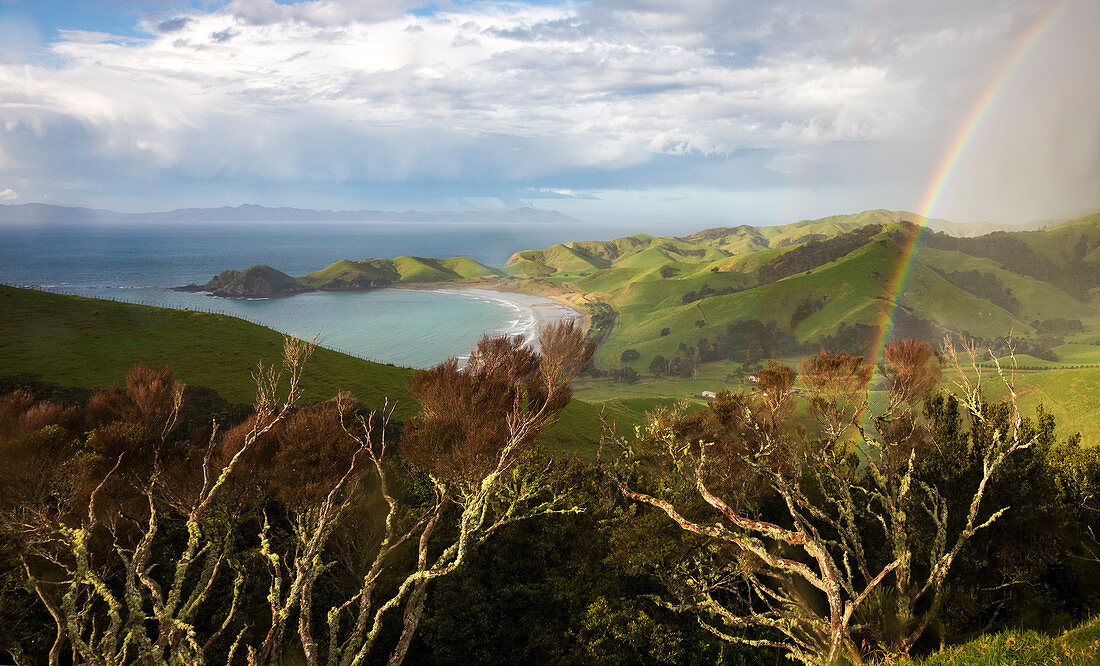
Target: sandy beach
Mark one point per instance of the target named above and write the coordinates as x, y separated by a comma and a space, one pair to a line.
532, 312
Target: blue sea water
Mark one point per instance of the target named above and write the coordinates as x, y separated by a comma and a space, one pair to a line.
407, 327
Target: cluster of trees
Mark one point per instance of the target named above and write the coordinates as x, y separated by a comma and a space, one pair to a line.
859, 339
983, 285
815, 253
625, 374
706, 291
748, 341
1039, 347
806, 307
601, 319
1075, 277
1058, 326
329, 533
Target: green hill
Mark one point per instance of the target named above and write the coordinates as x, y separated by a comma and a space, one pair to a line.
91, 343
692, 321
832, 287
720, 297
346, 274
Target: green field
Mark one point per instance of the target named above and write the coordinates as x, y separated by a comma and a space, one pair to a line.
1070, 394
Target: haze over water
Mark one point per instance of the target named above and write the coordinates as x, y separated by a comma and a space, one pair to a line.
405, 327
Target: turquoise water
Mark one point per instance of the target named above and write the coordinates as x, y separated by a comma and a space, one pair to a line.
411, 327
405, 327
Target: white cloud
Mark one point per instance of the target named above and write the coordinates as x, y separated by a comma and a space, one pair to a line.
332, 91
8, 194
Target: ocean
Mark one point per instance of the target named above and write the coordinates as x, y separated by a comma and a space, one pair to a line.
416, 328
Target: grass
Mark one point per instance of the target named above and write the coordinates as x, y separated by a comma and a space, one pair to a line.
660, 390
1069, 394
1077, 647
91, 343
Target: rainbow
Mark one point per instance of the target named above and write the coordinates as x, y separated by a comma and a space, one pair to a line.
946, 168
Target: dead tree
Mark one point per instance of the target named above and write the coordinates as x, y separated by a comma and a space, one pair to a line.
790, 523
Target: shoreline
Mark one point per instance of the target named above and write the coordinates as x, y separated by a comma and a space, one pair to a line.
532, 311
572, 300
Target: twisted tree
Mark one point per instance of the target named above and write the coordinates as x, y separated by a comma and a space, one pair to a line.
804, 535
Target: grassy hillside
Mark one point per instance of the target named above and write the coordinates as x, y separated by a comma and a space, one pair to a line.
400, 270
825, 283
696, 301
92, 343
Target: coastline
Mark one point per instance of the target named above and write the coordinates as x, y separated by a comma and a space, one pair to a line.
532, 311
573, 300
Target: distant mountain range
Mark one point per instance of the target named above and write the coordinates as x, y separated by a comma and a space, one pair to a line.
36, 213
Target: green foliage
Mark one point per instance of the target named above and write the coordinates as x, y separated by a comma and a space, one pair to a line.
557, 590
626, 374
983, 285
1036, 548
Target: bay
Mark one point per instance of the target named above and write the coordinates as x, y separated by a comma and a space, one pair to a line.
416, 328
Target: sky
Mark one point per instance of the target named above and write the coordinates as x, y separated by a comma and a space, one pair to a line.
694, 111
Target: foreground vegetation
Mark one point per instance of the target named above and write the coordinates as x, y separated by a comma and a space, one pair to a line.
1076, 647
305, 533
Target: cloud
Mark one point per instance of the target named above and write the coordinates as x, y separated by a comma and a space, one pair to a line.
335, 92
223, 36
173, 24
8, 194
